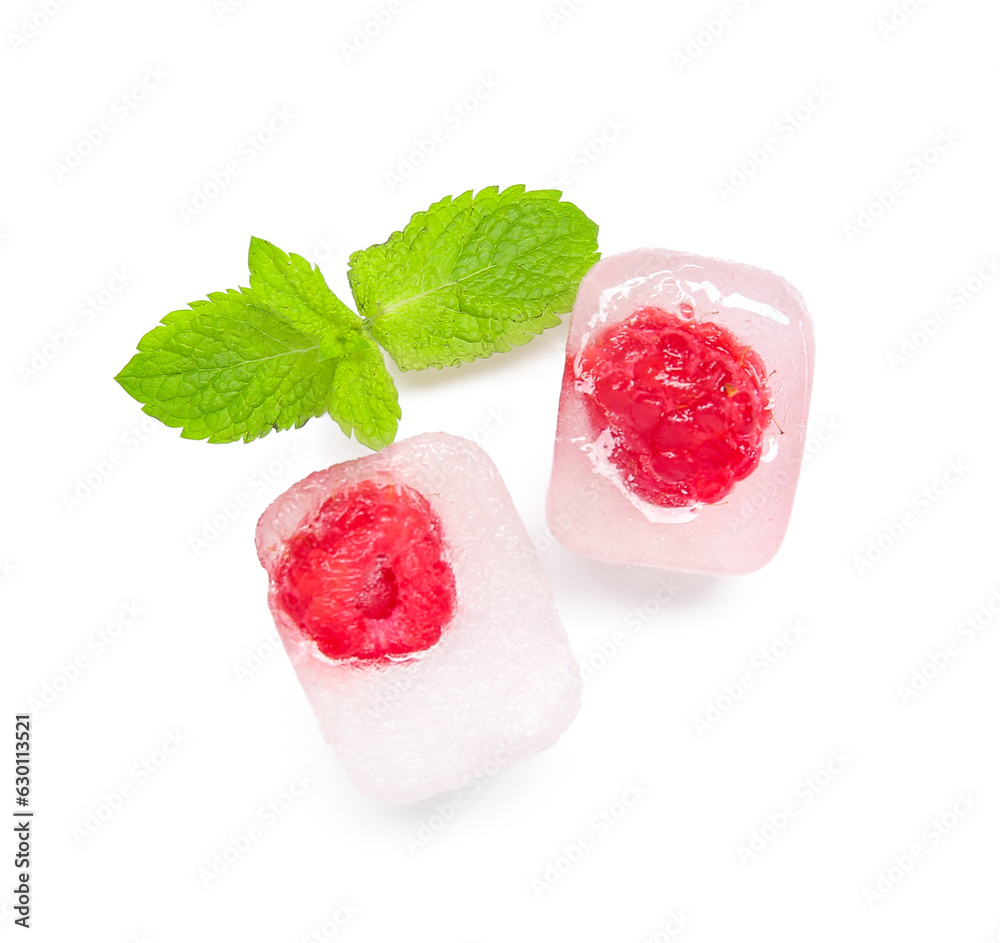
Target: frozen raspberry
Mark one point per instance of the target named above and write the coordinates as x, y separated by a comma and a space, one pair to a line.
365, 576
686, 403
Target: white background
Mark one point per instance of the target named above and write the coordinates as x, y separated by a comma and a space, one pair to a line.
548, 86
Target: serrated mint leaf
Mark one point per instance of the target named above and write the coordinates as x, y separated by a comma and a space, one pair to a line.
231, 368
363, 397
473, 275
297, 291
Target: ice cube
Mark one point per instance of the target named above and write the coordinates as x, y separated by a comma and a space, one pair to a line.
498, 685
682, 418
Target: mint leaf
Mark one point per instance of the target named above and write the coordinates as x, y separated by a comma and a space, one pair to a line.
297, 291
232, 368
473, 275
226, 369
363, 396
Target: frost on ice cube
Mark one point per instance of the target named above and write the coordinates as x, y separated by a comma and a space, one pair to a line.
417, 617
683, 412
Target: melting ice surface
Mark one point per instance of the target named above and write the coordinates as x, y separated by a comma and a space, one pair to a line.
738, 302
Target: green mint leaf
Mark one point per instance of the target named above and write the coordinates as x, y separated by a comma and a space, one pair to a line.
473, 275
363, 397
297, 291
231, 368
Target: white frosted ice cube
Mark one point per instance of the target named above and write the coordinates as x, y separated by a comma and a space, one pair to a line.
589, 506
500, 685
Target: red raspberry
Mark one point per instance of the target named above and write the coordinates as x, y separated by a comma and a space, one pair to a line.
686, 403
365, 576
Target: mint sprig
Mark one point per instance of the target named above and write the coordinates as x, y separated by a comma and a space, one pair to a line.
469, 277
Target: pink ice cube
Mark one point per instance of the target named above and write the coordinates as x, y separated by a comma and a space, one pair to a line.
498, 685
602, 499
